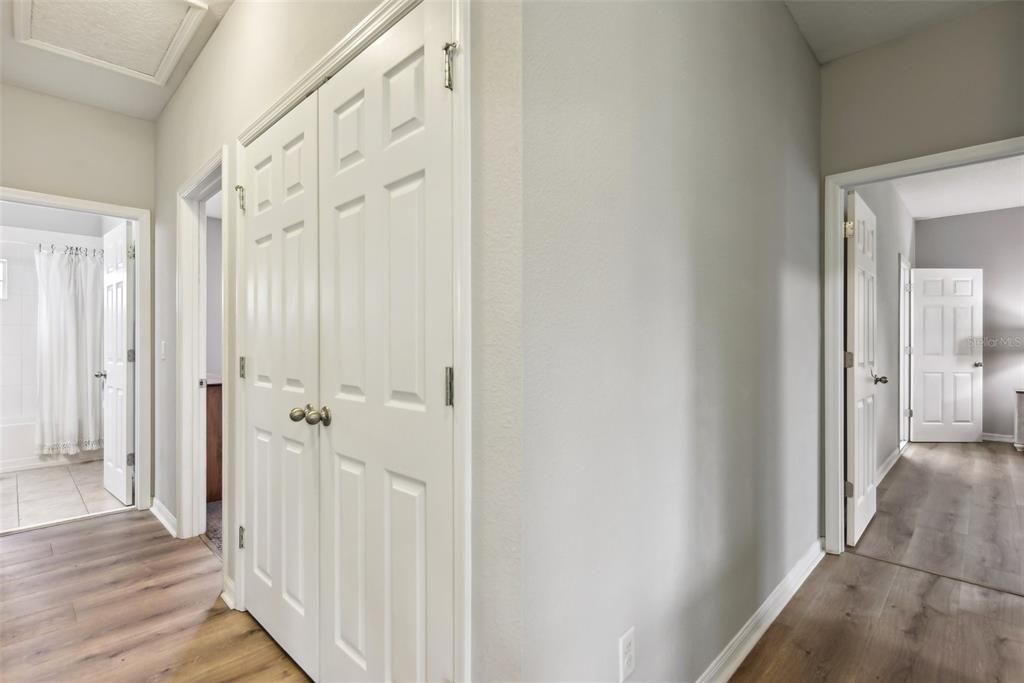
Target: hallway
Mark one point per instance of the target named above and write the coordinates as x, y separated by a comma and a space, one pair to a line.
933, 591
859, 619
116, 598
954, 509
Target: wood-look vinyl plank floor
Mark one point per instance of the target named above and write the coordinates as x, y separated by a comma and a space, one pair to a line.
117, 599
860, 619
953, 509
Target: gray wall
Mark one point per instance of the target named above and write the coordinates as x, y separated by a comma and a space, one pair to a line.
895, 237
993, 241
671, 328
956, 84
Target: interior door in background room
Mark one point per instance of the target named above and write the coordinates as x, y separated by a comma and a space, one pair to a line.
387, 517
948, 354
282, 487
862, 379
118, 432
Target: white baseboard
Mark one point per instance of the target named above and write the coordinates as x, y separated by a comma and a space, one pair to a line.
1002, 438
228, 594
887, 465
739, 647
165, 517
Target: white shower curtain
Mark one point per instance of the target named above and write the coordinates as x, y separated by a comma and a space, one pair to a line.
70, 352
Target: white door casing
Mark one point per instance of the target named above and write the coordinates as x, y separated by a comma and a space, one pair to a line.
905, 348
386, 337
948, 354
118, 419
861, 385
281, 540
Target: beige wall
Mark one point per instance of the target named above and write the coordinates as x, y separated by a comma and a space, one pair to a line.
257, 52
60, 147
954, 85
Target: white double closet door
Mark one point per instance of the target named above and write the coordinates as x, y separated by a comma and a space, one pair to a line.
348, 234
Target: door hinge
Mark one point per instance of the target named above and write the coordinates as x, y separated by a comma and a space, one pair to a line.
848, 359
909, 412
449, 386
241, 537
131, 460
241, 367
910, 350
449, 56
848, 489
848, 229
131, 251
907, 288
240, 191
131, 355
202, 383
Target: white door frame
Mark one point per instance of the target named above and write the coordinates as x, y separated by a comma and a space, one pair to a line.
380, 19
216, 175
143, 320
903, 367
836, 186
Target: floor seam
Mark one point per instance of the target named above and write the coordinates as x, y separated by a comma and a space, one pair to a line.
941, 576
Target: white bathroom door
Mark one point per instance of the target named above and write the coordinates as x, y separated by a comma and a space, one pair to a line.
386, 577
948, 354
863, 381
281, 457
118, 475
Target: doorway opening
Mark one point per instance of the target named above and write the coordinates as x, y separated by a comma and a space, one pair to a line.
211, 284
74, 411
932, 478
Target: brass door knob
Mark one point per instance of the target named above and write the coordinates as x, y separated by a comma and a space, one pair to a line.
314, 416
297, 414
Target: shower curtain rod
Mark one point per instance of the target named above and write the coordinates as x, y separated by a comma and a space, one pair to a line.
84, 251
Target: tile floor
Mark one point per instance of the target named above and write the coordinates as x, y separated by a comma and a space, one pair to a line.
49, 494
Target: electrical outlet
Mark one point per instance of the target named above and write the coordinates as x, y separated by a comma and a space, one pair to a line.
627, 654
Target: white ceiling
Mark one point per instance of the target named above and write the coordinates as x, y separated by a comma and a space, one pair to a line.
989, 186
112, 54
30, 216
836, 29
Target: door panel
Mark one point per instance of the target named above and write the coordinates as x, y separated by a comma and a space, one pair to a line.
947, 375
386, 338
118, 476
282, 374
861, 388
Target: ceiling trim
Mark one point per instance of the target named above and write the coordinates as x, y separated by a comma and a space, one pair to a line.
176, 48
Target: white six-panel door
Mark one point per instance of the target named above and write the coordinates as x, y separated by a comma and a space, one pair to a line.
117, 386
385, 341
861, 384
947, 354
282, 461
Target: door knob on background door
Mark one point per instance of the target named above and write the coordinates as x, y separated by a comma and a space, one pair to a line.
979, 364
879, 380
297, 414
100, 375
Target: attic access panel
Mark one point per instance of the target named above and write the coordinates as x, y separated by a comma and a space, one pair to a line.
143, 39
